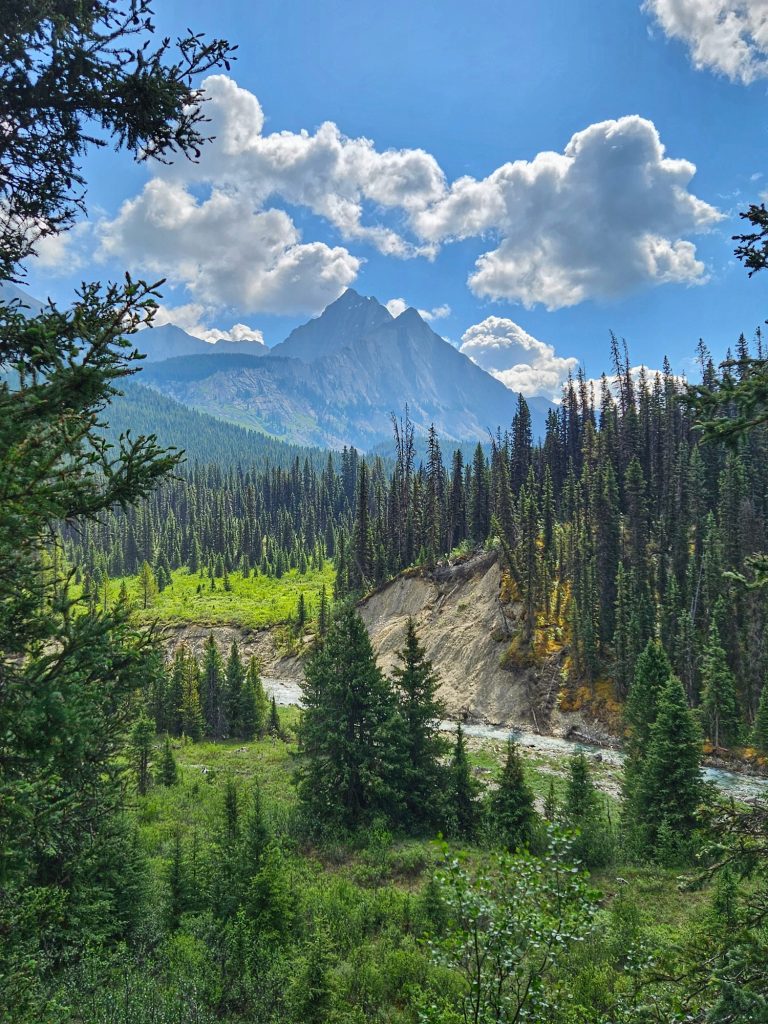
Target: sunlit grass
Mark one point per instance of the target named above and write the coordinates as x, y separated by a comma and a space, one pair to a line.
253, 601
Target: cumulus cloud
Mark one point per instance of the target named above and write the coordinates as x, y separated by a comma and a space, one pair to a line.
729, 37
516, 358
398, 306
596, 221
225, 251
609, 214
191, 316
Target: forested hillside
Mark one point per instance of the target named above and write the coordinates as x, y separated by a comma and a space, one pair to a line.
620, 526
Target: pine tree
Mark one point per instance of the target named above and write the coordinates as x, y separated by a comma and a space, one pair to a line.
147, 584
169, 772
669, 784
142, 735
348, 729
191, 718
212, 690
463, 789
256, 835
301, 613
421, 743
719, 704
652, 673
582, 812
760, 727
511, 804
323, 614
175, 692
273, 727
234, 680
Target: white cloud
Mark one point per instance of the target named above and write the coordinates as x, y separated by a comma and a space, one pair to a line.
398, 306
609, 214
596, 221
516, 358
191, 316
729, 37
225, 252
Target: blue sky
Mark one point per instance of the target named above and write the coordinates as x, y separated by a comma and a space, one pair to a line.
599, 237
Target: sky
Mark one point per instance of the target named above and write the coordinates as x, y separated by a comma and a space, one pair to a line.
530, 176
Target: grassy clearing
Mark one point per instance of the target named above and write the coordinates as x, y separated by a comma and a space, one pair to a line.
254, 602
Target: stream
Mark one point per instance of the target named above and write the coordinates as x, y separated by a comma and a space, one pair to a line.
735, 784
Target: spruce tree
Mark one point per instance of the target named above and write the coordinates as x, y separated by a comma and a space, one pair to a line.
212, 690
234, 679
169, 772
147, 585
348, 729
273, 726
191, 718
175, 692
462, 790
719, 704
669, 784
323, 613
652, 673
421, 745
511, 804
256, 834
760, 727
582, 812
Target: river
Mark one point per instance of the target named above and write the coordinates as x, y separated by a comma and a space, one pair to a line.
735, 784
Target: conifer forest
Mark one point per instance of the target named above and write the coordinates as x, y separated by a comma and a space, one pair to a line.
242, 778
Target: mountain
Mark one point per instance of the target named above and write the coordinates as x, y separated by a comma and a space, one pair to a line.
169, 341
203, 438
337, 379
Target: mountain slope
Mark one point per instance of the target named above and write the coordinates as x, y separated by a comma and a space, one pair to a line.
337, 379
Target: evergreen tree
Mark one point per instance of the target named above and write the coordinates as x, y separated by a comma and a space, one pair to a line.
760, 727
421, 744
511, 804
212, 687
463, 789
652, 673
147, 585
142, 734
669, 785
273, 725
235, 678
348, 729
582, 812
175, 692
191, 718
301, 613
719, 704
323, 615
169, 772
256, 835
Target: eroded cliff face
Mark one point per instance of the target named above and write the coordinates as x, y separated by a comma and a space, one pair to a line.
465, 629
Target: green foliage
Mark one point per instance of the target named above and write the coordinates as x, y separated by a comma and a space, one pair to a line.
510, 920
348, 729
719, 703
423, 777
583, 813
169, 774
760, 727
511, 804
462, 790
669, 788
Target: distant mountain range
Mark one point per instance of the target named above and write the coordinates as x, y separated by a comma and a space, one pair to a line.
338, 378
334, 381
